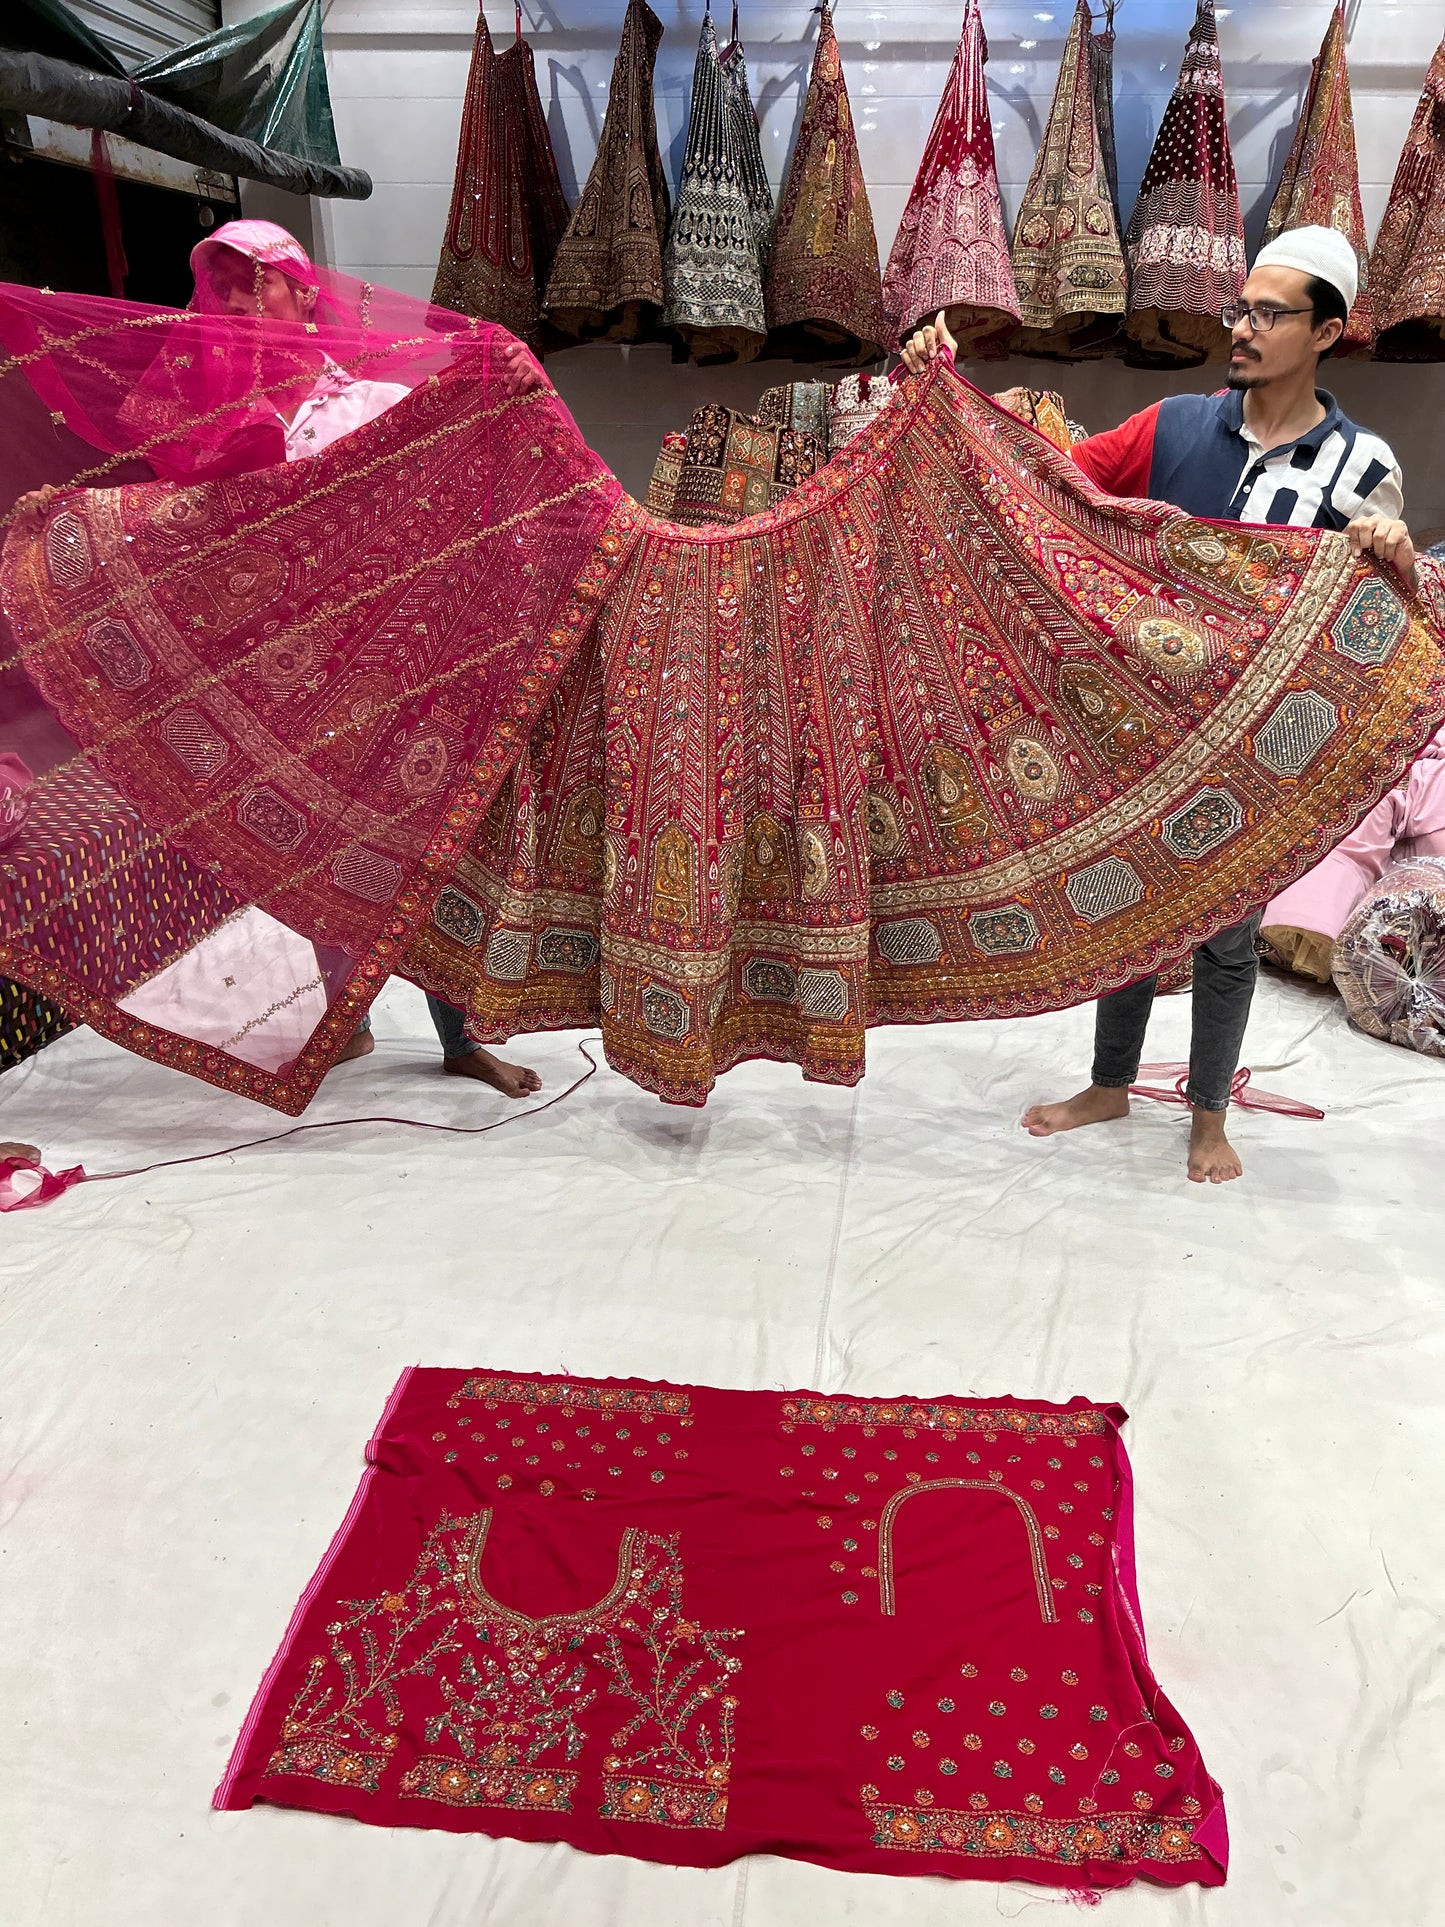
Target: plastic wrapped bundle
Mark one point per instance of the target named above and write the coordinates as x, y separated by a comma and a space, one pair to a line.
1390, 957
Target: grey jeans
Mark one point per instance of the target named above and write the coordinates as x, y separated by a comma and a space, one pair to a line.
451, 1027
1225, 970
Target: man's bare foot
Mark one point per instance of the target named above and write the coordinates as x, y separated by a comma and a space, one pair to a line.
1097, 1105
512, 1080
362, 1045
1212, 1158
27, 1153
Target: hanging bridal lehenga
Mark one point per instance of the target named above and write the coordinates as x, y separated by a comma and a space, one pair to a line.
717, 247
508, 212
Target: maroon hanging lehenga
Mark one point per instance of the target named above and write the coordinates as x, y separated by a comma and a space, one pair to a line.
951, 250
1186, 238
1320, 184
508, 211
824, 289
1407, 268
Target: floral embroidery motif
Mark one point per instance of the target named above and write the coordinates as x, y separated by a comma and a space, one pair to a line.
612, 1400
512, 1688
673, 1755
941, 1418
1116, 1837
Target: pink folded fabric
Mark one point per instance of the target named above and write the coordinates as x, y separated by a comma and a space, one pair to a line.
15, 785
17, 1197
1302, 923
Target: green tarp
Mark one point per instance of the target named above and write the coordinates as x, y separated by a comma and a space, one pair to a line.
264, 79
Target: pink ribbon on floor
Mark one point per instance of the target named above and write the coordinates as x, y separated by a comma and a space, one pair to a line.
1240, 1092
52, 1183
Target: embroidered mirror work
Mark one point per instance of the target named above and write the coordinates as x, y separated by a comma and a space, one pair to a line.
687, 1624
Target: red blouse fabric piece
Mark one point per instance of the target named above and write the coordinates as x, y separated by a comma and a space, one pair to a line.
544, 1617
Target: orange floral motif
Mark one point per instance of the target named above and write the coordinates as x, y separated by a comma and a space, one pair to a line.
512, 1690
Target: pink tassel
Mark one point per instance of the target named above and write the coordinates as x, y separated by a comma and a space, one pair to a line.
51, 1185
1240, 1092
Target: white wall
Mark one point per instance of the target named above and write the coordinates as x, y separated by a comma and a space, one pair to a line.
398, 70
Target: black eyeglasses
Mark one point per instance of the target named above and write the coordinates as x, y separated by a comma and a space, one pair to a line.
1260, 320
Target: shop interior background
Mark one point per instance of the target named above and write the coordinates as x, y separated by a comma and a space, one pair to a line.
398, 71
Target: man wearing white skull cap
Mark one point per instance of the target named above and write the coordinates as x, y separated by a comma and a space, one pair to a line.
1270, 447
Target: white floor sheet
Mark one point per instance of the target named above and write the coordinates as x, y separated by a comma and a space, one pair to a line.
192, 1361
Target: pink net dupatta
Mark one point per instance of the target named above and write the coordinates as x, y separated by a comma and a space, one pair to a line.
951, 249
99, 391
298, 687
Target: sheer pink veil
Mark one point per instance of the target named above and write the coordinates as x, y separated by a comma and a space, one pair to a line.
193, 392
264, 701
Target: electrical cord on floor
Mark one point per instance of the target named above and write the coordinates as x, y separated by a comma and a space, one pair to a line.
54, 1183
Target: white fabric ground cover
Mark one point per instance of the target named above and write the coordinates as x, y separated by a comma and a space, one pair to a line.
192, 1361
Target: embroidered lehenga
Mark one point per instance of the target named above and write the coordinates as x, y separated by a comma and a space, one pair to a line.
1321, 179
942, 734
1407, 268
1185, 240
508, 212
1068, 262
717, 246
951, 249
824, 289
607, 278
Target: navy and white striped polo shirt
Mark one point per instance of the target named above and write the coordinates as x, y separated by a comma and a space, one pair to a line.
1194, 452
